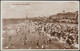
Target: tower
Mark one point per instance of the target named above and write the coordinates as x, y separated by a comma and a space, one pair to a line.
26, 15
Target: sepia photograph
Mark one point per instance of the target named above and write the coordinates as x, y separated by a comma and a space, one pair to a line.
40, 24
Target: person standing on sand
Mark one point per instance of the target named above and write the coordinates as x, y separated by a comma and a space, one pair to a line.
38, 43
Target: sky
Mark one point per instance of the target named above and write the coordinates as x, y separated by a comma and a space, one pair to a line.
18, 9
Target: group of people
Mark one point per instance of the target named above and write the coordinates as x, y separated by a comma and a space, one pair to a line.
38, 34
68, 34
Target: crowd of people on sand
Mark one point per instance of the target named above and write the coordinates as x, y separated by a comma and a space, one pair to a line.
39, 34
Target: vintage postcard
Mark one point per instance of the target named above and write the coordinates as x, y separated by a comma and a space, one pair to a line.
39, 24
